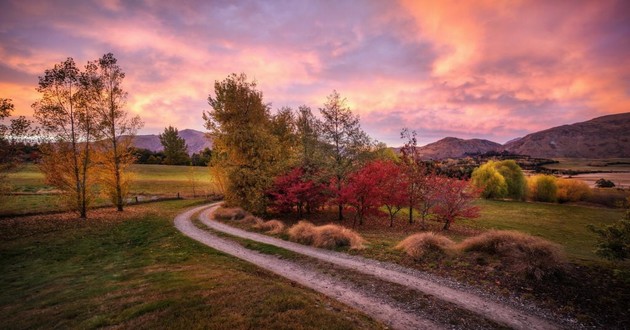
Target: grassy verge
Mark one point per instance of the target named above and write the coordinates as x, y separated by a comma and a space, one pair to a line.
136, 270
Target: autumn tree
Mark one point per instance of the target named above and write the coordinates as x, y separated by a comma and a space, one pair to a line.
64, 114
362, 191
103, 82
416, 174
393, 188
239, 123
310, 147
175, 148
500, 179
12, 135
340, 129
454, 199
295, 191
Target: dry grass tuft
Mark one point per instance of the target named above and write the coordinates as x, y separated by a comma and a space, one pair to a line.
519, 252
251, 220
271, 227
303, 232
334, 236
423, 244
229, 213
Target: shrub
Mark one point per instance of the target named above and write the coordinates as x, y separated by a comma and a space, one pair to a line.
251, 220
303, 232
422, 244
519, 252
271, 226
543, 188
334, 236
603, 183
229, 213
613, 242
572, 190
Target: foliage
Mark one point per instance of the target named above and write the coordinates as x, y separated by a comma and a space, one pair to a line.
514, 179
12, 138
175, 148
393, 194
202, 158
454, 199
603, 183
543, 188
490, 179
363, 190
294, 191
614, 239
340, 129
416, 174
425, 244
239, 124
521, 253
572, 190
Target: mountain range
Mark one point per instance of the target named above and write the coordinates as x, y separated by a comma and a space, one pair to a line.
602, 137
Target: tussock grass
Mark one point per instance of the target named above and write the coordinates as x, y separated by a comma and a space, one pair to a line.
423, 244
519, 252
303, 232
229, 213
326, 236
271, 226
251, 220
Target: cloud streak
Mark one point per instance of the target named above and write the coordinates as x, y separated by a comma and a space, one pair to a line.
487, 69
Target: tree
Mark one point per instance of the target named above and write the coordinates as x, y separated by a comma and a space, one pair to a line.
239, 124
415, 173
393, 188
64, 115
11, 141
514, 178
543, 188
294, 190
454, 200
340, 129
487, 178
310, 148
103, 81
202, 158
362, 190
603, 183
614, 239
175, 148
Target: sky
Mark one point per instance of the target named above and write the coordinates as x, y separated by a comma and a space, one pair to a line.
495, 70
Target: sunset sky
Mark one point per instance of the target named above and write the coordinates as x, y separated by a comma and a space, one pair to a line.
471, 69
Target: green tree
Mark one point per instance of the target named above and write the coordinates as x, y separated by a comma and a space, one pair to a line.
103, 81
514, 178
11, 141
175, 147
543, 188
492, 183
64, 114
247, 151
614, 239
341, 131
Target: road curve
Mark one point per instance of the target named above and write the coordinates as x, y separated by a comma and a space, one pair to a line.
325, 284
393, 273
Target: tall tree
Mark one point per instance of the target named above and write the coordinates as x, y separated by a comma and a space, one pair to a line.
103, 80
415, 172
11, 137
340, 129
239, 124
175, 147
64, 116
454, 199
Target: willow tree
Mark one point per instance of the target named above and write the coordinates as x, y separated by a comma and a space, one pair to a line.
239, 123
66, 120
116, 128
341, 131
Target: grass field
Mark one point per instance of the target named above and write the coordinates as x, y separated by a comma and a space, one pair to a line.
136, 270
587, 164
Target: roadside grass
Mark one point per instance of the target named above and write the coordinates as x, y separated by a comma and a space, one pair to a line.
135, 270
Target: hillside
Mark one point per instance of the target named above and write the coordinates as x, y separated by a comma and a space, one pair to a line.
195, 140
451, 147
602, 137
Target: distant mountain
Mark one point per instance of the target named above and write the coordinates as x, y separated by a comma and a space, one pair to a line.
602, 137
195, 140
451, 147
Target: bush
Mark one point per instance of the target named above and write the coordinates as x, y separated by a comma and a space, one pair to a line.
251, 220
419, 245
519, 252
572, 190
613, 242
603, 183
334, 236
327, 236
271, 226
543, 188
229, 213
303, 232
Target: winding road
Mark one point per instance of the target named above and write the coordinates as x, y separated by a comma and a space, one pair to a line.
347, 293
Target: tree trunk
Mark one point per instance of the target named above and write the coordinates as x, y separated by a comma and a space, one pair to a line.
447, 223
340, 211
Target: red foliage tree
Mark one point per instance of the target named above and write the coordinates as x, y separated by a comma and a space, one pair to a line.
362, 191
393, 188
295, 191
453, 199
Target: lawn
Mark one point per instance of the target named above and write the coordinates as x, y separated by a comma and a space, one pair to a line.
135, 270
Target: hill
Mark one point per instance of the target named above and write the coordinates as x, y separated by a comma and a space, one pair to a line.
195, 140
451, 147
602, 137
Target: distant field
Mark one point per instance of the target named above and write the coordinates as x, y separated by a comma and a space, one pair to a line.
586, 164
148, 181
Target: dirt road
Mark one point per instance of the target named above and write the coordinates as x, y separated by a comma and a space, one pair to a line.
415, 280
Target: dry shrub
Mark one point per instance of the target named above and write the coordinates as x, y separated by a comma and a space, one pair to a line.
271, 226
519, 252
334, 236
251, 220
229, 213
303, 232
572, 190
422, 244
